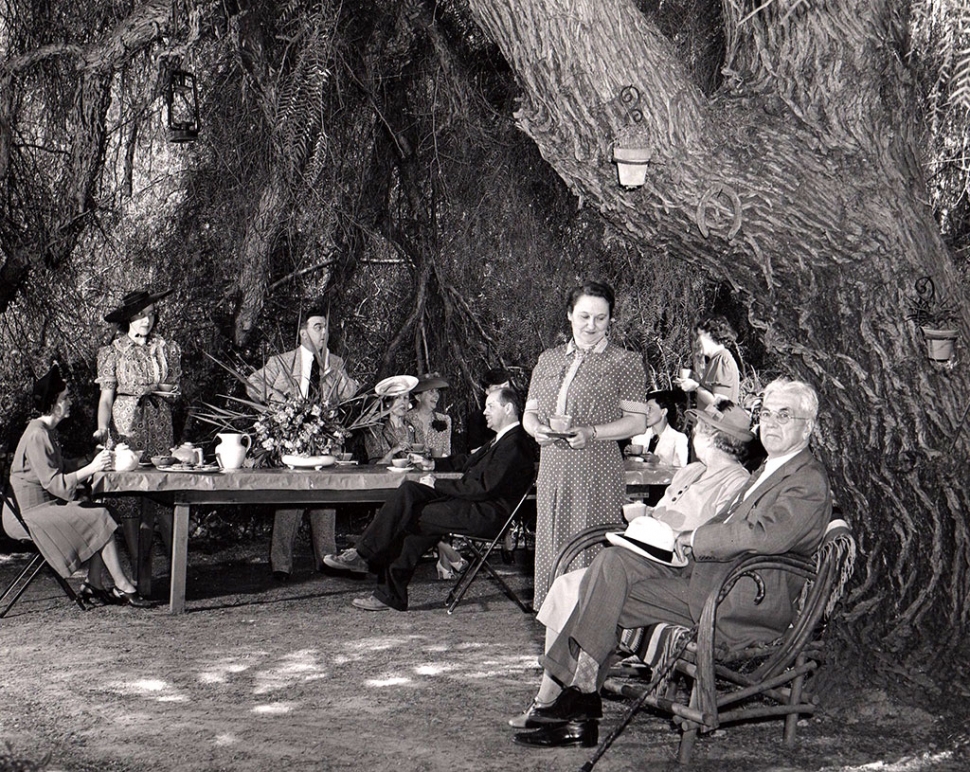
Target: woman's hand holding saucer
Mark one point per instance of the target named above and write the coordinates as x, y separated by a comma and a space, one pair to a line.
542, 435
582, 437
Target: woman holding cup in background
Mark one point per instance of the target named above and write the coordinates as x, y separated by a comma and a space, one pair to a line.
716, 378
584, 395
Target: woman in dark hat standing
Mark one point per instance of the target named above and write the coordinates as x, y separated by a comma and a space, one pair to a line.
68, 533
139, 375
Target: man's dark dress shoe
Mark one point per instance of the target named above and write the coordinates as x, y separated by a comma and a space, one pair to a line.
281, 576
585, 734
570, 705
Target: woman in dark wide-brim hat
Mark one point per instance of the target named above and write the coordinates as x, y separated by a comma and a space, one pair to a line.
435, 426
69, 533
139, 374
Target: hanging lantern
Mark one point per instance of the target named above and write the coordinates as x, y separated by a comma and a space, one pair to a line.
182, 101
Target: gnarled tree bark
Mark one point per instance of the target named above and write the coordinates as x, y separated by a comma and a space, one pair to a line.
798, 183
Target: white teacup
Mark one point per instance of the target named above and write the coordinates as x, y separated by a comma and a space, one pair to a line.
685, 373
560, 423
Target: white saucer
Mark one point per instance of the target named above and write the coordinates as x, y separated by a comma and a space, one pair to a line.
401, 469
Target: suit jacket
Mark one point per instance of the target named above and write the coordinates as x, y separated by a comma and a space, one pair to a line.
788, 512
495, 477
279, 378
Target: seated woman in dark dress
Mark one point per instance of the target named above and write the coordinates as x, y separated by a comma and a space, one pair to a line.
67, 532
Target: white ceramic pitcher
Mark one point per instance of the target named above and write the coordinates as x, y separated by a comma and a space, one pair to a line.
231, 450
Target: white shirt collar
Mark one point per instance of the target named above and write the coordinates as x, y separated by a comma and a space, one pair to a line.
505, 430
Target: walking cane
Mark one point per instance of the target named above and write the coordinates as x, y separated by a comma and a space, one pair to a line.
658, 678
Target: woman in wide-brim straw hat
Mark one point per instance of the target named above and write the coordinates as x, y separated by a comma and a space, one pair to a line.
139, 374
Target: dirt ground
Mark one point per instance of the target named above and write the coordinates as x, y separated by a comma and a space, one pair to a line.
260, 676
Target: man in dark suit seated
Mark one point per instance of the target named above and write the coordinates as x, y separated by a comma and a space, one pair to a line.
785, 507
494, 479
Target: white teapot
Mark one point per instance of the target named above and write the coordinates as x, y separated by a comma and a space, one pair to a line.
187, 453
231, 450
125, 458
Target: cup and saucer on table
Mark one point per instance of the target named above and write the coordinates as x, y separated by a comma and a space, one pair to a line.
401, 465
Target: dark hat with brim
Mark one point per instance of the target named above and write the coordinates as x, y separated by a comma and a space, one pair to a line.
47, 388
428, 382
134, 302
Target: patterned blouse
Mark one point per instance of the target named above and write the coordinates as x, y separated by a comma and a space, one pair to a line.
437, 431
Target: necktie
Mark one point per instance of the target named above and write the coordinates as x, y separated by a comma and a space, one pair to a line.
652, 445
313, 387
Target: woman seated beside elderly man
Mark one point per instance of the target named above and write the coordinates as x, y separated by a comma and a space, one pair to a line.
696, 493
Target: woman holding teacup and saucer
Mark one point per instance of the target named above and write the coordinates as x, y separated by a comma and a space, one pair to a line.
583, 396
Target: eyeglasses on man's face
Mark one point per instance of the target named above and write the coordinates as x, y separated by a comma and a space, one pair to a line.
781, 417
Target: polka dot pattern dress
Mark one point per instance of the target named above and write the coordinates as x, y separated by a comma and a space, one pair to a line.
579, 488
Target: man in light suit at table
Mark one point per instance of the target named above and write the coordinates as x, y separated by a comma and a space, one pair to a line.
494, 479
310, 371
785, 507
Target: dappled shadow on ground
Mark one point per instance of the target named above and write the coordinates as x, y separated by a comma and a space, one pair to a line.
262, 676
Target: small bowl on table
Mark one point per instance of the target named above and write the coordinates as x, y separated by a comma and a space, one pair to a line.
160, 462
401, 463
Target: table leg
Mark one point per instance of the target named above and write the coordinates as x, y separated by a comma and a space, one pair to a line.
180, 552
146, 535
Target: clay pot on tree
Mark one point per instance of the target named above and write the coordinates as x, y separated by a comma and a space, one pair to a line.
934, 316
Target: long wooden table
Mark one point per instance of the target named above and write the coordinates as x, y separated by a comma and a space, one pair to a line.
283, 487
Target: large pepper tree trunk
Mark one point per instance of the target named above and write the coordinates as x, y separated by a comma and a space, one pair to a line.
799, 184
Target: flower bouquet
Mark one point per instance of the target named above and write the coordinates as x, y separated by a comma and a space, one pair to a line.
298, 426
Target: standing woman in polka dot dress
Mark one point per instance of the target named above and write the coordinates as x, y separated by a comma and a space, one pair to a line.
602, 388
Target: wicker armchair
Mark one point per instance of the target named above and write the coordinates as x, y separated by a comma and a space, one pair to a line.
727, 687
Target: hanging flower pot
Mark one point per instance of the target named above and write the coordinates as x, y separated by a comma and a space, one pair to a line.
631, 165
939, 343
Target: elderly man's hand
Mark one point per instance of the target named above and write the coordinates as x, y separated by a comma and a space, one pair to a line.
682, 545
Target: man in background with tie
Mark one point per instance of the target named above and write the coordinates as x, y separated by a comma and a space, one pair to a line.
785, 507
310, 372
494, 479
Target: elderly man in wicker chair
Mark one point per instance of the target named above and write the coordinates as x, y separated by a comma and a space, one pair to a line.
785, 507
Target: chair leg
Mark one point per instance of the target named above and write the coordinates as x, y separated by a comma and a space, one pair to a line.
68, 590
791, 720
480, 562
34, 567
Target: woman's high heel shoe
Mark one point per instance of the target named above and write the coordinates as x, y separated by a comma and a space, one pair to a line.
132, 599
448, 569
96, 596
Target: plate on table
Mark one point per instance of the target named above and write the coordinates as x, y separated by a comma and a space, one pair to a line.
307, 462
207, 468
400, 468
351, 462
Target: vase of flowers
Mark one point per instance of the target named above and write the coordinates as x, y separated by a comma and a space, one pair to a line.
297, 427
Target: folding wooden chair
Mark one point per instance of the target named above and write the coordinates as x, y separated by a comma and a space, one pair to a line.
17, 530
482, 549
770, 681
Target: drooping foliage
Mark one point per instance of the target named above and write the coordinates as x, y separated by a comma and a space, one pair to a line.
418, 166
